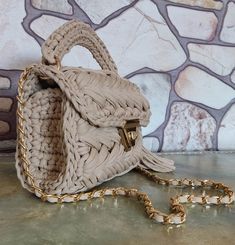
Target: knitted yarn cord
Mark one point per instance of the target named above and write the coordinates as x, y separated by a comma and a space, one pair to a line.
76, 33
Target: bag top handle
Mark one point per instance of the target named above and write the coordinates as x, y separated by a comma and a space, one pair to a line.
73, 33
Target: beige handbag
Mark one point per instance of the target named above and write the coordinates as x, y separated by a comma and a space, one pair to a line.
78, 128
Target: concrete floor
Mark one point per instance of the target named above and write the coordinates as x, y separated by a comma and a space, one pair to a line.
24, 219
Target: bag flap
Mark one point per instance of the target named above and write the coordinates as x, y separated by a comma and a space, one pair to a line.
101, 97
105, 99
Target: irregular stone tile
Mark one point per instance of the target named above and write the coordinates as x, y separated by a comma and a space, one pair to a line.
42, 27
141, 38
196, 85
61, 6
78, 56
211, 4
151, 143
233, 77
4, 127
97, 10
228, 30
219, 59
226, 134
189, 128
156, 88
193, 23
5, 83
5, 104
17, 48
7, 144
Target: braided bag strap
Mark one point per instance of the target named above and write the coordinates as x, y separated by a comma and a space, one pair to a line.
73, 33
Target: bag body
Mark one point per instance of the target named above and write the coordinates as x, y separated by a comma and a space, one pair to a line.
78, 128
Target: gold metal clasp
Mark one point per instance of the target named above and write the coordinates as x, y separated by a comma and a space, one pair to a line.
129, 133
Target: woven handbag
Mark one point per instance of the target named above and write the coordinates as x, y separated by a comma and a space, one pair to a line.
78, 128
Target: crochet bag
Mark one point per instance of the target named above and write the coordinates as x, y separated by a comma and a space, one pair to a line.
78, 128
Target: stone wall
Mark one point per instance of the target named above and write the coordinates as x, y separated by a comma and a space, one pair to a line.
180, 52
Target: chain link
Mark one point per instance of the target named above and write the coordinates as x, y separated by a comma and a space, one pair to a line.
177, 215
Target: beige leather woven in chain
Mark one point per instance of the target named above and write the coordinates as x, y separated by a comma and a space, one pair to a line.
69, 122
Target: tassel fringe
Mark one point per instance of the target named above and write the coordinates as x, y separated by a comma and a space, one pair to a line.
156, 163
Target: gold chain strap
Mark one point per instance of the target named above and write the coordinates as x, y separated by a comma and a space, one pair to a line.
177, 215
